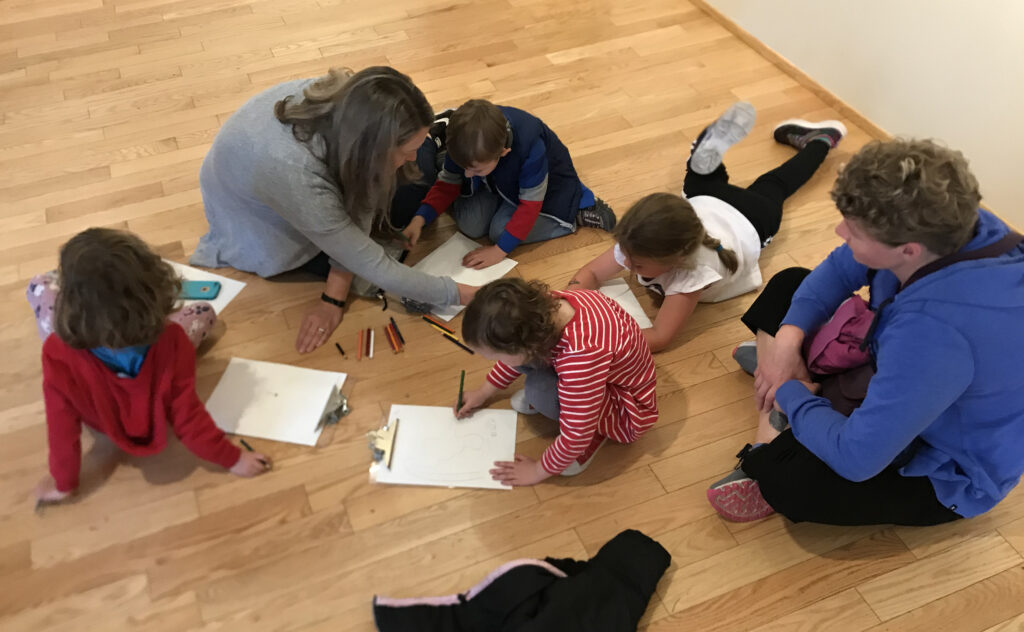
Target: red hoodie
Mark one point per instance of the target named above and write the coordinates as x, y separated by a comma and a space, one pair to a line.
134, 412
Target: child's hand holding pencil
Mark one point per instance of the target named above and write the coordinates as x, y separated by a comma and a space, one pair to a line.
472, 400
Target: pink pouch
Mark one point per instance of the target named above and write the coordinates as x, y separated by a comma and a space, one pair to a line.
835, 347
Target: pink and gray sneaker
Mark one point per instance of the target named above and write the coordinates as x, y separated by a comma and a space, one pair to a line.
738, 498
797, 133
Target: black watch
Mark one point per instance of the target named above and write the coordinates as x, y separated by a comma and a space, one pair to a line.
332, 301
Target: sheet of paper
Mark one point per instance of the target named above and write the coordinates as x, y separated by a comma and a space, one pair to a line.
229, 288
446, 260
272, 401
619, 291
432, 447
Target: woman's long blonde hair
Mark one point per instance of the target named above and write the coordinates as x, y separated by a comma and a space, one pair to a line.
362, 118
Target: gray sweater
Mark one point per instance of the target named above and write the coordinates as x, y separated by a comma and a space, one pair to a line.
272, 206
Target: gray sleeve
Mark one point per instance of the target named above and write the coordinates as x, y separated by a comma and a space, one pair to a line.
312, 204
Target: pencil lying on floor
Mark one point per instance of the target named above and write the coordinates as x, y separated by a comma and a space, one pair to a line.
391, 340
398, 333
458, 342
437, 324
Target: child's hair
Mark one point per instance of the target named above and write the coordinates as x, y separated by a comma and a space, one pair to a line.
664, 227
114, 291
477, 132
906, 190
513, 316
361, 118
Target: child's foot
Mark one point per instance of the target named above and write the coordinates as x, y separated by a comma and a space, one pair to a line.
745, 355
798, 132
520, 405
738, 498
600, 215
439, 130
582, 463
730, 128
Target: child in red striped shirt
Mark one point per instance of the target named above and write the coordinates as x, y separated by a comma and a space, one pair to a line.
586, 365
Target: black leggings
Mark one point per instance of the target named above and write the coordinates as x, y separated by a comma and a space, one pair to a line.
802, 487
761, 202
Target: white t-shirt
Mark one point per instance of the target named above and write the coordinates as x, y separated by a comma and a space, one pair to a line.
726, 224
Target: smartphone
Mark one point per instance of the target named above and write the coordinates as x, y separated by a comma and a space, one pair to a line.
200, 290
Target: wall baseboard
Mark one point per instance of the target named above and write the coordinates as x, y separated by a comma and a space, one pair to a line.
846, 110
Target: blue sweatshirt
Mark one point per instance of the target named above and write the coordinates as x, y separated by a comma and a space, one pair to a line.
949, 388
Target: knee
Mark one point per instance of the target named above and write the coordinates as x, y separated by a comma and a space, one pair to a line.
786, 281
495, 230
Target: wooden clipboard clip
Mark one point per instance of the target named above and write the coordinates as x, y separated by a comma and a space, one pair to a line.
382, 442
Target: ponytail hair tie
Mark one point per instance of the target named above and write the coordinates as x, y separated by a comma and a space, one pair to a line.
718, 248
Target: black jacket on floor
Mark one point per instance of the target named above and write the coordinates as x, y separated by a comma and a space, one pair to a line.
608, 593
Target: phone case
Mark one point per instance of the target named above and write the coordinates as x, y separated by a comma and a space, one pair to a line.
200, 289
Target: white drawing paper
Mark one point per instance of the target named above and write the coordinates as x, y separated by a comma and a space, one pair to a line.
446, 260
619, 291
432, 447
229, 288
272, 401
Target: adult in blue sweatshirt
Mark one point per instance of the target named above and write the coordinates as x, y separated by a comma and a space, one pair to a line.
939, 433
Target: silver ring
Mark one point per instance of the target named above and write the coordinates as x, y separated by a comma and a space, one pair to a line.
320, 330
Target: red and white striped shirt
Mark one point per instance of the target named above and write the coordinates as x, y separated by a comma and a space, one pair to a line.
606, 381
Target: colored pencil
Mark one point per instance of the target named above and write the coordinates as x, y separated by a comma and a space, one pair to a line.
359, 349
462, 382
434, 322
340, 350
456, 341
249, 448
394, 335
371, 342
391, 339
397, 332
443, 331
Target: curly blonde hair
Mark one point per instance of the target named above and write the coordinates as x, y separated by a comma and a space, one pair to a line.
910, 190
513, 316
114, 291
664, 227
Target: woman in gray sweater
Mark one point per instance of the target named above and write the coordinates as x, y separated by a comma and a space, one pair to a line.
310, 167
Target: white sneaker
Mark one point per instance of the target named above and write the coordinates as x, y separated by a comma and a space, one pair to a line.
727, 130
520, 405
577, 468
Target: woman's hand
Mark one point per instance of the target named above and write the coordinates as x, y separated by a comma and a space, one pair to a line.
472, 400
46, 491
317, 326
251, 464
779, 360
466, 293
519, 473
483, 257
413, 230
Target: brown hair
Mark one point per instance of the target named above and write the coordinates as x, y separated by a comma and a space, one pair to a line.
361, 119
477, 132
114, 291
664, 227
513, 316
908, 190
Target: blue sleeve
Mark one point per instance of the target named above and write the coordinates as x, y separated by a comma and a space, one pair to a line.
825, 288
924, 367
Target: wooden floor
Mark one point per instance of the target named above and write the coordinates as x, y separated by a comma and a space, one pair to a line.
106, 110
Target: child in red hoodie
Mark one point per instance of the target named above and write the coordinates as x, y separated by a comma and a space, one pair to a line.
115, 363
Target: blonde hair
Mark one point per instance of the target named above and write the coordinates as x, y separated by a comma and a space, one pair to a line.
909, 190
361, 118
513, 316
114, 291
664, 227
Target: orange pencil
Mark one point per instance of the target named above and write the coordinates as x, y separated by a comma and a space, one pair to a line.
359, 349
391, 342
434, 322
394, 337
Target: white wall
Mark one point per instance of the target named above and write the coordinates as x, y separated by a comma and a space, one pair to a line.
944, 69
